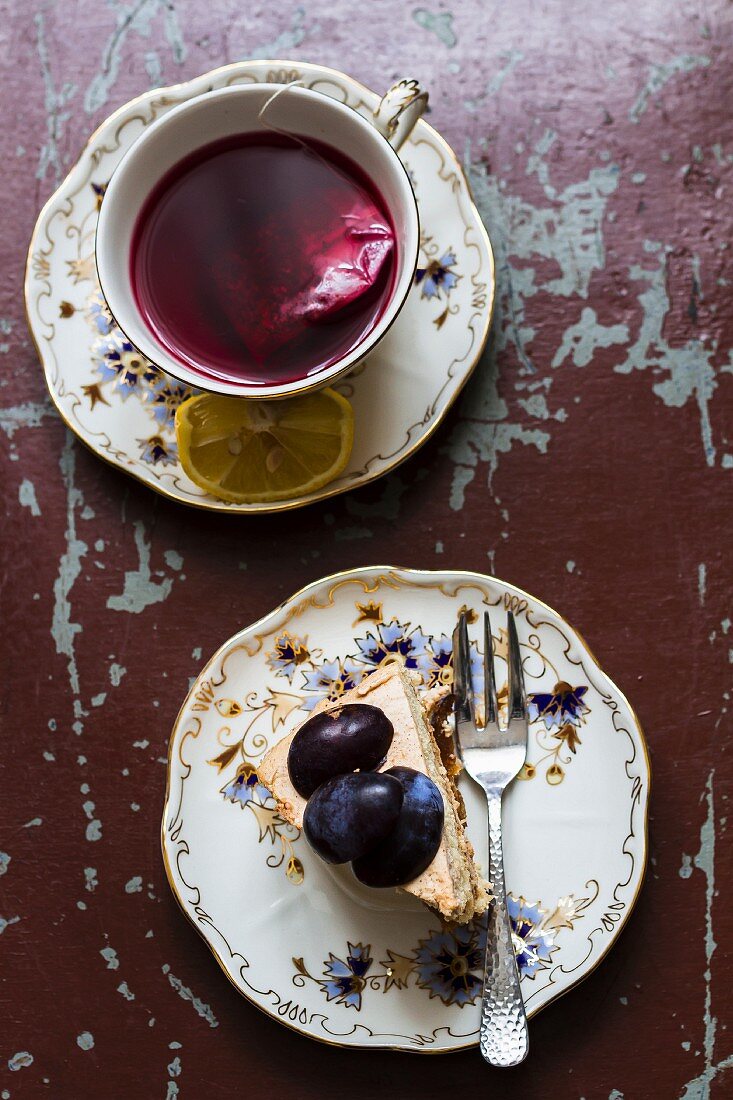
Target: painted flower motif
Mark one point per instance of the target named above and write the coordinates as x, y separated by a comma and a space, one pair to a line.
436, 278
164, 397
533, 942
246, 787
436, 664
449, 962
330, 681
98, 314
116, 360
99, 190
289, 652
449, 965
393, 639
563, 705
343, 981
82, 269
158, 450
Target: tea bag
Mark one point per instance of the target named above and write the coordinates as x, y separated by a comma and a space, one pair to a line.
291, 278
345, 266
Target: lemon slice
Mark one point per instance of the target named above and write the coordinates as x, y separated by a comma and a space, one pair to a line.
253, 451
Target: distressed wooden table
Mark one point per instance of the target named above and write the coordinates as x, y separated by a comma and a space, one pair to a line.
589, 462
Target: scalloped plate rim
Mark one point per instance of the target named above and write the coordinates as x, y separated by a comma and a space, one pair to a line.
209, 503
410, 574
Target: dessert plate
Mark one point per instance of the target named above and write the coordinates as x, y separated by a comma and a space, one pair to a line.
123, 408
369, 968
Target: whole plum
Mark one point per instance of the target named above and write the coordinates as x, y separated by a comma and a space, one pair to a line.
350, 814
411, 845
353, 737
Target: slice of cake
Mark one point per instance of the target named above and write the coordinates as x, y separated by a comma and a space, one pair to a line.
450, 883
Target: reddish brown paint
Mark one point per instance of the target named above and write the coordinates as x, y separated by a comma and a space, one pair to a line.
624, 491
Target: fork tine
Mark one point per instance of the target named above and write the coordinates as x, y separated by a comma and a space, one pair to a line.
490, 705
517, 700
462, 683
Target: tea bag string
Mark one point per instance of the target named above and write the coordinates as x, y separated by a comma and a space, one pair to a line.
356, 250
289, 133
276, 95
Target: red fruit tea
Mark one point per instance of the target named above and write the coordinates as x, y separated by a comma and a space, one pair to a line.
263, 259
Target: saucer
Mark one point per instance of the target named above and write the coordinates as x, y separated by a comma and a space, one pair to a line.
370, 968
123, 407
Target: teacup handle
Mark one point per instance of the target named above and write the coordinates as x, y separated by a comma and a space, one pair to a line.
399, 109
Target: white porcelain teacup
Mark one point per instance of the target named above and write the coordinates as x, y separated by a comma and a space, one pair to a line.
371, 143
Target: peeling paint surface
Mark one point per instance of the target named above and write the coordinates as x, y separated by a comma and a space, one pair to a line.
589, 461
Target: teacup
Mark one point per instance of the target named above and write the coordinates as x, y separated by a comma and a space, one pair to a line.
370, 144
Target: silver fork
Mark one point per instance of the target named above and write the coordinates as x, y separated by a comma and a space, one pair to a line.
493, 756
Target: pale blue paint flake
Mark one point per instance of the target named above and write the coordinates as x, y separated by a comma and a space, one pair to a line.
116, 672
659, 75
185, 994
287, 40
21, 1060
581, 340
140, 590
63, 630
690, 373
27, 496
110, 957
438, 23
173, 560
137, 19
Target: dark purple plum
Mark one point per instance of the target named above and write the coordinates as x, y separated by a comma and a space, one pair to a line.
349, 814
411, 846
354, 737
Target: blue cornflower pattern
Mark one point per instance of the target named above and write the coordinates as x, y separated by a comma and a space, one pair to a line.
393, 639
99, 190
330, 681
436, 664
436, 278
157, 450
246, 787
288, 652
449, 964
98, 313
564, 705
164, 397
533, 943
116, 360
344, 980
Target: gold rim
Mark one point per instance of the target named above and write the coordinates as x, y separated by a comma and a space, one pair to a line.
478, 579
334, 490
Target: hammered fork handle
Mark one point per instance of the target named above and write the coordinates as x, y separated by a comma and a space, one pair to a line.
504, 1040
